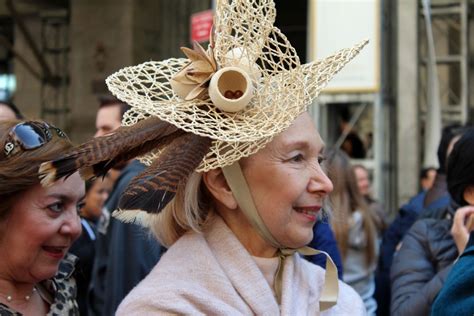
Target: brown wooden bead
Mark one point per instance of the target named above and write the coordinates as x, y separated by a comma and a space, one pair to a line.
229, 94
238, 94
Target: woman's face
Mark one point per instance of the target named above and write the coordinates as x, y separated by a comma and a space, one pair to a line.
39, 230
363, 181
95, 198
287, 183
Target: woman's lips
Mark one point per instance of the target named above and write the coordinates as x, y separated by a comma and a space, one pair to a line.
310, 212
56, 252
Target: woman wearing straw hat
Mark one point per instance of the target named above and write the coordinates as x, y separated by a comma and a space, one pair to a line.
234, 183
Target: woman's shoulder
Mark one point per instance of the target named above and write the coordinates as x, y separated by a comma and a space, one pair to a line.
188, 288
427, 230
189, 252
157, 292
182, 275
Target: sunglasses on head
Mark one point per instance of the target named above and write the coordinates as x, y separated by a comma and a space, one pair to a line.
30, 135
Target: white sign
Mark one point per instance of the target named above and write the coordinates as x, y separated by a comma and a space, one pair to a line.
338, 24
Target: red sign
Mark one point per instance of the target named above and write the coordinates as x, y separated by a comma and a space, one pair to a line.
201, 25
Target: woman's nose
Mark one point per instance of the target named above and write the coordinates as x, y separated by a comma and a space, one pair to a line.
72, 226
320, 183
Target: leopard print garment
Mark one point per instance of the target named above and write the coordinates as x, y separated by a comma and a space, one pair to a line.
59, 292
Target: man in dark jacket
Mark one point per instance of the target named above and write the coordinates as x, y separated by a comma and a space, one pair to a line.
125, 253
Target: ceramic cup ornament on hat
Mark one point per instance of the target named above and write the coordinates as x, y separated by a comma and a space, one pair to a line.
231, 89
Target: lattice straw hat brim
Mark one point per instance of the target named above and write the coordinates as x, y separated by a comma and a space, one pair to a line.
277, 102
244, 37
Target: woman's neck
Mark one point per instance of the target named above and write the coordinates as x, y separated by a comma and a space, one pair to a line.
15, 293
22, 297
248, 236
14, 289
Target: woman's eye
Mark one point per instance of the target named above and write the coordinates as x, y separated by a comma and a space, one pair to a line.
297, 158
56, 207
321, 159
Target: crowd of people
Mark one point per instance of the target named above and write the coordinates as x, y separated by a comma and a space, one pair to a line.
188, 202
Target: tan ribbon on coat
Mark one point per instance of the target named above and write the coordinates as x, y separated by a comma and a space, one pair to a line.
238, 185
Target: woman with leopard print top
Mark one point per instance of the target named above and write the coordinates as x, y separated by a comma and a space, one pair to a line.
37, 224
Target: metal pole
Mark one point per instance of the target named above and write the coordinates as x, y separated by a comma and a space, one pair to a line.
315, 107
433, 109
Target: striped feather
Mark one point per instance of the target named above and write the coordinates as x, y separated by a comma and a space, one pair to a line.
154, 188
95, 157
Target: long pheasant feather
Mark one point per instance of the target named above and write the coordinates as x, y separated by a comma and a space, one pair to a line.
97, 156
154, 188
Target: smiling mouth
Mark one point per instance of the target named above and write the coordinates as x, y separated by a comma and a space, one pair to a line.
55, 251
312, 211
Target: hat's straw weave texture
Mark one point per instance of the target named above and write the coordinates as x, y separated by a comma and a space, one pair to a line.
283, 87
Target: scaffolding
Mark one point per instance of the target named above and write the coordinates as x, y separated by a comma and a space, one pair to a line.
50, 54
55, 50
447, 55
450, 29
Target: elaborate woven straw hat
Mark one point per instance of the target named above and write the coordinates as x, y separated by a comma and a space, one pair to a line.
247, 56
205, 111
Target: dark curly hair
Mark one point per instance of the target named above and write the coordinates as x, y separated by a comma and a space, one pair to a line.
460, 169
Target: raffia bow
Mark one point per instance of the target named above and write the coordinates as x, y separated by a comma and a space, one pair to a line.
192, 81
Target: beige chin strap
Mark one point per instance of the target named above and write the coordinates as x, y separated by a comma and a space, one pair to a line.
237, 183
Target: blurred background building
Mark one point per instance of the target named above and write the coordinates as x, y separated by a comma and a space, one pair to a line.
415, 76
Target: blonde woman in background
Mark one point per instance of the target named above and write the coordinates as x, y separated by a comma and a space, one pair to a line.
354, 228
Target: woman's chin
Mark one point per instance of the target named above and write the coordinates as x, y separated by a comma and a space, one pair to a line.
299, 242
46, 272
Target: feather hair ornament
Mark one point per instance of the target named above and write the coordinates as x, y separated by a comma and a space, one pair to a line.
151, 190
95, 157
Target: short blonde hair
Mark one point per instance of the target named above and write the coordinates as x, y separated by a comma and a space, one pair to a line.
189, 210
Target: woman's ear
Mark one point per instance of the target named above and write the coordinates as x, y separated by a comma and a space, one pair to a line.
468, 194
218, 187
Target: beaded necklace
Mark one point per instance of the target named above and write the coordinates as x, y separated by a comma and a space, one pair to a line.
9, 298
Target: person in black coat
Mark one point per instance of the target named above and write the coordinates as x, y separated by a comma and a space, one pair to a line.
435, 199
97, 192
125, 253
429, 249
